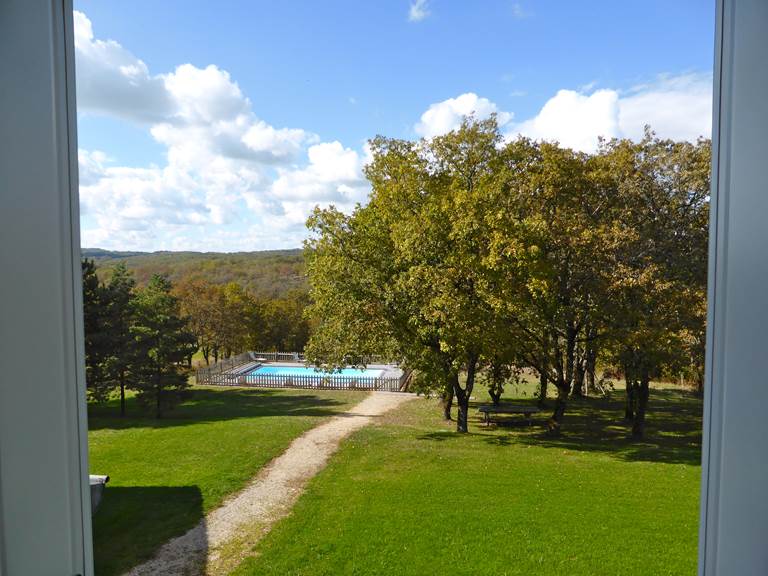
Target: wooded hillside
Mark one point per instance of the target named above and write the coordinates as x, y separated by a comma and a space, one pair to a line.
271, 273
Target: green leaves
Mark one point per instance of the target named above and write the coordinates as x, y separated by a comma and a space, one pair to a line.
517, 253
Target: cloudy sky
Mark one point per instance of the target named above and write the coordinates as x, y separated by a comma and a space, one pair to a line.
218, 126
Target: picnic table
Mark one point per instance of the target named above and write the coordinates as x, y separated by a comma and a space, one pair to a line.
489, 410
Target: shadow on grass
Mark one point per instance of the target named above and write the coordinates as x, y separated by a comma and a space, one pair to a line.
131, 523
442, 436
205, 405
497, 440
673, 428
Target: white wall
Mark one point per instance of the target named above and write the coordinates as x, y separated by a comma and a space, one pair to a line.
734, 529
44, 499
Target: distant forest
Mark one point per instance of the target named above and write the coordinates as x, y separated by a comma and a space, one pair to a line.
266, 274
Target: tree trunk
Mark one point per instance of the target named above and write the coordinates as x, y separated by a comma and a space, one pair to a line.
564, 380
495, 394
206, 355
158, 394
543, 369
591, 367
699, 383
629, 406
570, 354
578, 378
543, 382
560, 405
462, 403
122, 392
462, 418
447, 401
463, 394
638, 427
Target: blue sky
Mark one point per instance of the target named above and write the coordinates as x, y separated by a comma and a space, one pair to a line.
217, 126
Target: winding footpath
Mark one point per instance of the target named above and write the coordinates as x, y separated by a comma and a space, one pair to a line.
247, 516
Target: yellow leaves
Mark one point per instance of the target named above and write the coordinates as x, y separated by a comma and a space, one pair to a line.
534, 251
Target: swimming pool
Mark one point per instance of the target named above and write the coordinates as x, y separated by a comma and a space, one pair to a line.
304, 371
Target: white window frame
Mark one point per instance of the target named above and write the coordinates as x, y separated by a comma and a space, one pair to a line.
734, 510
37, 105
45, 518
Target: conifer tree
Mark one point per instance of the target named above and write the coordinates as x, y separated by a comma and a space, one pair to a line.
162, 342
96, 342
118, 318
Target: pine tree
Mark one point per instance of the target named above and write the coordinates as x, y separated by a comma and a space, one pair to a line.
96, 342
162, 342
118, 319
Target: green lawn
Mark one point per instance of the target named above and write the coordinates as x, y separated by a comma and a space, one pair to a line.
166, 474
409, 496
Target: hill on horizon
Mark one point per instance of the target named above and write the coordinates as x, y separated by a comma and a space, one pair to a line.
268, 273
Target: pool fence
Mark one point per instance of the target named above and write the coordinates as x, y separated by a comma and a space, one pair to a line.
239, 371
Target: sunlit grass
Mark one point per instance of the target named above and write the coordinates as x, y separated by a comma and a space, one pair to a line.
166, 474
409, 496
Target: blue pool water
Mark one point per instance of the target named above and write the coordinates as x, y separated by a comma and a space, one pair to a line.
303, 371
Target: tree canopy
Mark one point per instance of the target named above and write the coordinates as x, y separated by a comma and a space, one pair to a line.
478, 252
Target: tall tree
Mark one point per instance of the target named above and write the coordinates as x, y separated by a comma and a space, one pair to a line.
199, 302
163, 342
96, 340
660, 270
236, 315
361, 294
447, 244
473, 252
401, 273
546, 222
279, 323
118, 312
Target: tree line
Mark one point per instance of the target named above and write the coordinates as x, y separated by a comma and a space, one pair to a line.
268, 274
227, 319
144, 338
480, 255
135, 339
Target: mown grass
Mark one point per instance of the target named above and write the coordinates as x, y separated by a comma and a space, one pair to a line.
166, 474
409, 496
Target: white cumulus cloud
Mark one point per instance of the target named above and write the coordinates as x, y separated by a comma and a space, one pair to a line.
677, 107
442, 117
334, 174
112, 80
575, 120
229, 177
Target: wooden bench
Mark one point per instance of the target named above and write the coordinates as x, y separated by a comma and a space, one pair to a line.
489, 409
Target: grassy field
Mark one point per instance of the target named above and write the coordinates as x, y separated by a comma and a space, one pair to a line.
409, 496
166, 474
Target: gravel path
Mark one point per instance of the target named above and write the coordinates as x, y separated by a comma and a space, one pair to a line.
268, 497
